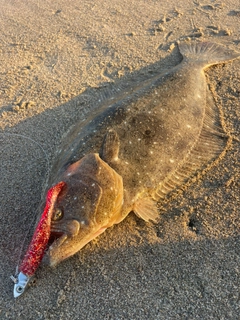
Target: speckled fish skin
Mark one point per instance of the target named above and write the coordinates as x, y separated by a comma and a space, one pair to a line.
136, 149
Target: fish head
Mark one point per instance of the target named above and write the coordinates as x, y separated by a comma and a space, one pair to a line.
90, 202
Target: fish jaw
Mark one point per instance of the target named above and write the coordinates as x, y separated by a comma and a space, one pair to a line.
66, 246
66, 227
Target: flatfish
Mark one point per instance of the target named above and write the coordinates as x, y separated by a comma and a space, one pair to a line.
138, 148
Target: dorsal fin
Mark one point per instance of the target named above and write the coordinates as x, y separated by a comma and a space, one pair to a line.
211, 143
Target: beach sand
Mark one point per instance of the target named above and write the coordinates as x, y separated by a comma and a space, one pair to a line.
57, 60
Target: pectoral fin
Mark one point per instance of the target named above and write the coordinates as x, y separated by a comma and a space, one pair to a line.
110, 147
146, 209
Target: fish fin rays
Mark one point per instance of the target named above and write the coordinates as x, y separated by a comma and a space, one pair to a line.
146, 209
206, 53
210, 145
110, 146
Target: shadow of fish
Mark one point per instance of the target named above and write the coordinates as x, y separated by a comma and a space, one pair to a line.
136, 150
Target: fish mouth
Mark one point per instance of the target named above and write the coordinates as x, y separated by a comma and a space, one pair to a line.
66, 246
60, 232
54, 245
57, 242
68, 227
54, 236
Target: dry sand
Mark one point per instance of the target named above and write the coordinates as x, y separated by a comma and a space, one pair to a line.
56, 58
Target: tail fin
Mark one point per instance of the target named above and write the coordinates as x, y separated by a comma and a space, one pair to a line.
206, 53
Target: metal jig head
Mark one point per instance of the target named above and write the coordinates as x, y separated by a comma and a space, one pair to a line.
20, 283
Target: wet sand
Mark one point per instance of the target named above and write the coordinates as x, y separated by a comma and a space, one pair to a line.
58, 59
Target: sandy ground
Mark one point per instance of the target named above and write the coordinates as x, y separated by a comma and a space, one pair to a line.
56, 59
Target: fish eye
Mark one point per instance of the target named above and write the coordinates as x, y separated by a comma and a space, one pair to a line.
58, 214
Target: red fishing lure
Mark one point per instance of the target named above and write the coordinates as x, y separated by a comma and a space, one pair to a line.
37, 247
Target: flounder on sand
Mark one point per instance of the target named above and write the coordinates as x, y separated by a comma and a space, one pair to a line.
137, 149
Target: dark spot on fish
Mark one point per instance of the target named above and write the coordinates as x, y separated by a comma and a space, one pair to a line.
182, 106
181, 145
119, 115
196, 112
147, 132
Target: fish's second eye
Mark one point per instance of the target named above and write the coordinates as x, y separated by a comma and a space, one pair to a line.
58, 214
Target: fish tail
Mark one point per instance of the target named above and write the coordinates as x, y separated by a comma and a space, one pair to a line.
206, 53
